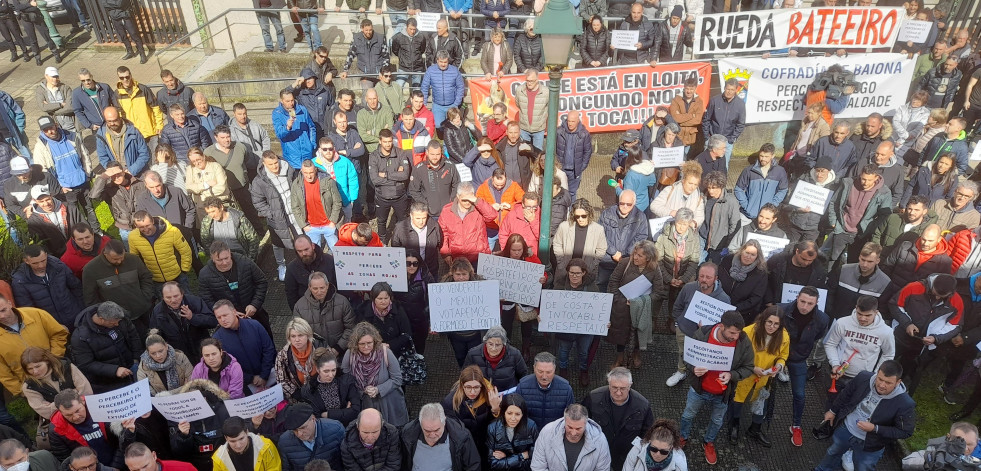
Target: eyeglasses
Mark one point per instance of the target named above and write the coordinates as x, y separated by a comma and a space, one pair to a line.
411, 264
471, 388
530, 208
322, 56
658, 450
626, 205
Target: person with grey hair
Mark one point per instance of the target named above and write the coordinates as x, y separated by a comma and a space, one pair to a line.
421, 233
446, 84
329, 314
436, 442
464, 225
960, 432
501, 363
106, 346
547, 395
621, 412
572, 442
433, 181
836, 146
679, 253
711, 159
726, 115
14, 455
90, 99
957, 213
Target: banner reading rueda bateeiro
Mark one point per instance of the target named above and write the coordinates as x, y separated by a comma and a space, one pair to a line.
806, 28
774, 88
610, 99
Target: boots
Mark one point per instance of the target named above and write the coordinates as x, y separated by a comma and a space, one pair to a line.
129, 54
584, 378
27, 54
13, 53
618, 361
734, 430
57, 56
756, 433
144, 57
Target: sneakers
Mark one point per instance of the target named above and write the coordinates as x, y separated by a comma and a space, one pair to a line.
282, 272
675, 378
796, 436
782, 376
710, 456
946, 395
812, 372
846, 461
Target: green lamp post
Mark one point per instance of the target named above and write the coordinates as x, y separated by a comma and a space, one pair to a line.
558, 25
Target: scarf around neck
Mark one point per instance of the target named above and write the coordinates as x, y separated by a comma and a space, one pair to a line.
366, 368
739, 272
173, 382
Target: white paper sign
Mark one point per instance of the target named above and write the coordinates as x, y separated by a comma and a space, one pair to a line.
625, 39
810, 195
657, 225
917, 31
790, 291
668, 156
520, 280
464, 171
359, 268
706, 310
976, 155
636, 288
250, 406
770, 245
706, 355
466, 305
186, 407
120, 404
427, 21
575, 312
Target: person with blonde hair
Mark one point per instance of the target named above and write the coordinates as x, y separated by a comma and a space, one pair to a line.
294, 363
164, 367
682, 194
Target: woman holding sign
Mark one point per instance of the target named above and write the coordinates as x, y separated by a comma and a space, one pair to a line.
415, 301
515, 247
743, 277
680, 250
463, 340
376, 374
578, 278
623, 327
771, 347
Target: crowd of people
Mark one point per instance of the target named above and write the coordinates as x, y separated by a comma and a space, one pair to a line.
869, 291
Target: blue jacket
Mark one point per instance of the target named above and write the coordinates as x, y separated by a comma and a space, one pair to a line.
251, 346
216, 116
136, 154
68, 166
457, 5
193, 134
842, 155
317, 101
940, 145
639, 178
802, 342
622, 233
725, 117
545, 405
327, 446
753, 190
894, 416
298, 142
480, 169
582, 148
345, 176
14, 119
86, 110
61, 295
446, 85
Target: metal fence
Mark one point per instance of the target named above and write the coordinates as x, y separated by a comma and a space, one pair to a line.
158, 21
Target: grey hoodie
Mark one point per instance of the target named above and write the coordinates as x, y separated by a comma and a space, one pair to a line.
847, 336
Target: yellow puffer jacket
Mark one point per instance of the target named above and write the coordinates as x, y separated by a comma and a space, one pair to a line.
763, 360
264, 455
161, 257
39, 330
141, 108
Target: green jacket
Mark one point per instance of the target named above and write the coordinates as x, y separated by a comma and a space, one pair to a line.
392, 97
329, 196
881, 203
887, 232
923, 65
371, 122
244, 232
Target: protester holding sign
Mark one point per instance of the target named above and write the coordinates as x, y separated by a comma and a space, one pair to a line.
806, 325
771, 346
630, 319
376, 373
803, 223
71, 427
679, 249
708, 285
743, 277
578, 278
764, 224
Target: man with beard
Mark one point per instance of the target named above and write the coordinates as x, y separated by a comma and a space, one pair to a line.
309, 258
82, 248
906, 224
119, 141
120, 277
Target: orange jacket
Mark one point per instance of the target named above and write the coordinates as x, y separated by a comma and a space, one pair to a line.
344, 238
512, 195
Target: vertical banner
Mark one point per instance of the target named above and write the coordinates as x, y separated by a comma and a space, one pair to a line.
774, 88
610, 99
359, 268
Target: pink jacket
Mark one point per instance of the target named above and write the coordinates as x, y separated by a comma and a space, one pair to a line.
230, 380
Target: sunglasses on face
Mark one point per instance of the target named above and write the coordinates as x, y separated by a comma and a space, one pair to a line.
659, 451
327, 149
410, 263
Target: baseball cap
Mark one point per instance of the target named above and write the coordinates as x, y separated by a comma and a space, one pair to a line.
630, 135
45, 122
51, 71
19, 166
39, 190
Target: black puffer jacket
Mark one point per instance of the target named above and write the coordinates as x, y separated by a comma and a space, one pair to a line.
60, 294
252, 284
524, 440
6, 13
384, 456
463, 451
509, 370
560, 208
409, 50
777, 268
185, 335
595, 46
298, 274
746, 295
528, 53
205, 433
394, 328
347, 392
458, 140
650, 36
99, 356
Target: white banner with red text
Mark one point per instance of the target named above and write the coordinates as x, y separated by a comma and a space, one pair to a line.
774, 88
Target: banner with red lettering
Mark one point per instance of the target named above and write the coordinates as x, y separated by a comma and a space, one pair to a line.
806, 28
610, 99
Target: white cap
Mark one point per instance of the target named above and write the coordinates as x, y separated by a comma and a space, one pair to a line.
38, 190
19, 166
51, 71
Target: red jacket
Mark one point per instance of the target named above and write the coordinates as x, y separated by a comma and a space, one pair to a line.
76, 260
466, 237
169, 465
344, 238
62, 427
428, 120
515, 223
959, 247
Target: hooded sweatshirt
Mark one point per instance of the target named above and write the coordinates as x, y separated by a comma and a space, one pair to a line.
68, 166
58, 216
922, 257
858, 201
639, 178
867, 407
847, 336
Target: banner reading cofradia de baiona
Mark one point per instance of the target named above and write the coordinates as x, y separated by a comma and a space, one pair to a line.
808, 28
610, 99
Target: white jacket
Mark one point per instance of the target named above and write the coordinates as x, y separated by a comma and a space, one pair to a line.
673, 198
636, 459
847, 336
904, 117
550, 452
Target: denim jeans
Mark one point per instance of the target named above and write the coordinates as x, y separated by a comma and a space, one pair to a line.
124, 236
265, 18
75, 11
327, 234
581, 343
536, 139
574, 182
310, 22
797, 371
842, 441
439, 113
398, 22
728, 154
694, 404
413, 81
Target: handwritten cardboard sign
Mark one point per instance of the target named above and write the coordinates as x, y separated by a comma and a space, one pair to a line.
706, 310
466, 305
185, 407
120, 404
575, 312
359, 268
520, 280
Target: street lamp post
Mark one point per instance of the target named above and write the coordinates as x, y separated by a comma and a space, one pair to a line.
558, 26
